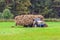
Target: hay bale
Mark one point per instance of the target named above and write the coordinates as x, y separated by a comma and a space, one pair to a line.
26, 19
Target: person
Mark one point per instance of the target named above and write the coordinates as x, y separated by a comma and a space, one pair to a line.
37, 22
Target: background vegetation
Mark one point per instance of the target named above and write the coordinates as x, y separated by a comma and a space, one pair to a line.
47, 8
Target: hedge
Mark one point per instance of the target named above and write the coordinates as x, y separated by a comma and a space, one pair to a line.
47, 20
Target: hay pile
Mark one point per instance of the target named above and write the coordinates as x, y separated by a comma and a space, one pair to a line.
26, 19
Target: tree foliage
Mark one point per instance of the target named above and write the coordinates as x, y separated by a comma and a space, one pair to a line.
48, 8
22, 6
7, 14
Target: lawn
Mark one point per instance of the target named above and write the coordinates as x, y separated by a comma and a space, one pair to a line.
52, 32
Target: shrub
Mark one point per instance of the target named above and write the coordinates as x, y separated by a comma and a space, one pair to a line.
7, 14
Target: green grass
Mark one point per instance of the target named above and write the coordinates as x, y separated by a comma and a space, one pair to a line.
52, 32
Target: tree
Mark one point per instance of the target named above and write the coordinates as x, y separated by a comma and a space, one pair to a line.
22, 6
2, 5
0, 15
41, 6
7, 14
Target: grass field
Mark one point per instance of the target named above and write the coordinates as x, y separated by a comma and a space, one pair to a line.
52, 32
